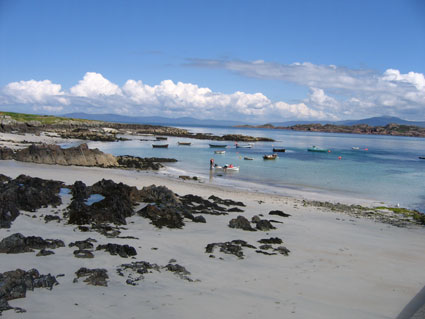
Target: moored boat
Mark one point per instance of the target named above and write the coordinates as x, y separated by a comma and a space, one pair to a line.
279, 149
159, 145
248, 158
249, 145
184, 143
270, 157
219, 152
218, 145
421, 157
161, 138
317, 149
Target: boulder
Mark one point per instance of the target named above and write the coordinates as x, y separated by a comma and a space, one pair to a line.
241, 222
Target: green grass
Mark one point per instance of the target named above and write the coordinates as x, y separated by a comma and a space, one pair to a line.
44, 119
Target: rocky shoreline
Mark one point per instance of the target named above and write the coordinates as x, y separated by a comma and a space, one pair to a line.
390, 129
79, 155
107, 131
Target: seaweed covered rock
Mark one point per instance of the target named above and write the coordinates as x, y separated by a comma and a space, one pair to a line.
162, 216
279, 213
241, 222
95, 277
234, 247
26, 193
123, 251
18, 243
116, 205
14, 284
159, 195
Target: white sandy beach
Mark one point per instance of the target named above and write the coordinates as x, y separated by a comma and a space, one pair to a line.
339, 267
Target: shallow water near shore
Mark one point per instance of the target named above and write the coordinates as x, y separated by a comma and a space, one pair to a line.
383, 168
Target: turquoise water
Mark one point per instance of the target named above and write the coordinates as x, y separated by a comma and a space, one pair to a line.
389, 170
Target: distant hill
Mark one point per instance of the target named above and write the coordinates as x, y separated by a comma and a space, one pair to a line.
153, 120
372, 121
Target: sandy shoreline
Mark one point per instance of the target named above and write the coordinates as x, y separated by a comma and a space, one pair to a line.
338, 267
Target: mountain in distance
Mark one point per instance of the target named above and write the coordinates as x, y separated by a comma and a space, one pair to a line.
190, 121
153, 120
372, 121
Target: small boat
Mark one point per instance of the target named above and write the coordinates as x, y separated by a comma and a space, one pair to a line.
219, 152
159, 145
270, 157
249, 145
248, 158
355, 148
317, 149
161, 138
279, 150
421, 157
218, 145
227, 167
184, 143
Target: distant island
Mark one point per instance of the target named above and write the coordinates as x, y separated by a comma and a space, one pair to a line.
389, 129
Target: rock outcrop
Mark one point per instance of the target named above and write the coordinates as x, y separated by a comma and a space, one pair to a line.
18, 243
26, 193
14, 284
80, 155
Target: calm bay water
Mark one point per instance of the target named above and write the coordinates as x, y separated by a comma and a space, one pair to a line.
389, 170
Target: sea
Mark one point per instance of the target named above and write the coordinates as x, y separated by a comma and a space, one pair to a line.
384, 169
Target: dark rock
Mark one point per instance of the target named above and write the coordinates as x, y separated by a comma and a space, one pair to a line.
79, 191
49, 218
159, 195
162, 216
282, 250
83, 253
241, 222
272, 240
264, 225
265, 252
18, 243
266, 247
279, 213
196, 204
234, 247
14, 284
95, 277
121, 250
199, 219
26, 193
255, 219
83, 244
116, 206
136, 271
235, 210
44, 252
226, 202
4, 179
179, 270
135, 162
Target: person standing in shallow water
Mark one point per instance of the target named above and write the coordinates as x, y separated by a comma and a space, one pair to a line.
211, 163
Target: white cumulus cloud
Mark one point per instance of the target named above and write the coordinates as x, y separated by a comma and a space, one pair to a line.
94, 84
33, 92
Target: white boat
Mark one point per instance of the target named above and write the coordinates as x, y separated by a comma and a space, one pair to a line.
226, 167
249, 145
219, 152
355, 148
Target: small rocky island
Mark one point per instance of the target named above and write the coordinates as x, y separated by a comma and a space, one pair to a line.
389, 129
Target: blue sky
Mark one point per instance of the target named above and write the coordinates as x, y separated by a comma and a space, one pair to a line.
247, 60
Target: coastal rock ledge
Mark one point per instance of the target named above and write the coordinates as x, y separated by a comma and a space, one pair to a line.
80, 155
